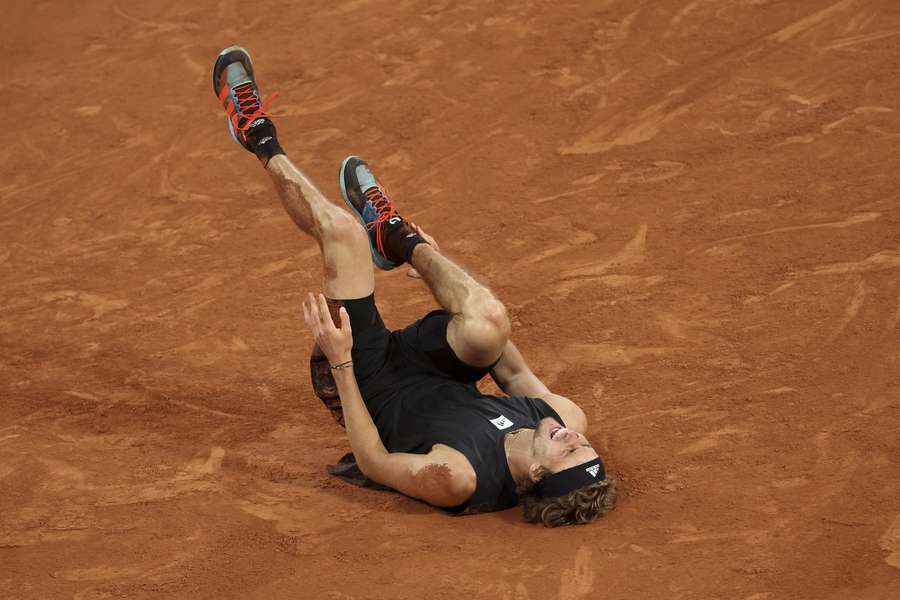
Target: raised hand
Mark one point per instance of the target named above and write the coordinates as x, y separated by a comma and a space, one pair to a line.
336, 343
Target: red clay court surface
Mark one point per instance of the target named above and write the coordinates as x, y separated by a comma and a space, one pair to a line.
690, 208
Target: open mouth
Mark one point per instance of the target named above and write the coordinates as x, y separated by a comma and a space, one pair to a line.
554, 431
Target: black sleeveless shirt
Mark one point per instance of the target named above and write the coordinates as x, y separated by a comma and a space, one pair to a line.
459, 416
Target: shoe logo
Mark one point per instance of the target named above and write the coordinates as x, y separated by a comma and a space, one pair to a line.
502, 423
394, 220
593, 470
409, 235
264, 140
257, 122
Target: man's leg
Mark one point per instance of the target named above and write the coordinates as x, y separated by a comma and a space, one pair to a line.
479, 327
346, 258
343, 242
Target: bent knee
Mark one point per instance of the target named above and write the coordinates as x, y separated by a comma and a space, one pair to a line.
341, 225
484, 332
493, 317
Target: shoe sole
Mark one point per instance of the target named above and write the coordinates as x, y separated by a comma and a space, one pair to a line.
380, 262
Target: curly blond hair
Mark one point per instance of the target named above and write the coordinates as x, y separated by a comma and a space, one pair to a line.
578, 507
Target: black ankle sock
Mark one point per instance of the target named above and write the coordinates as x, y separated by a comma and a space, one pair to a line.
402, 239
263, 141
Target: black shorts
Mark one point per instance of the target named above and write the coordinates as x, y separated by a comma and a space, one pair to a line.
386, 362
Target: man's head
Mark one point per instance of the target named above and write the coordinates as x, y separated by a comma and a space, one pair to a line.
566, 479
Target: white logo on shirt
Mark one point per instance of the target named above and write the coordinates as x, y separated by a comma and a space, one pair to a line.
501, 423
593, 470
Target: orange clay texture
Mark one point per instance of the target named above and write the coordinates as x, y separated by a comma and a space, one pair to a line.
689, 208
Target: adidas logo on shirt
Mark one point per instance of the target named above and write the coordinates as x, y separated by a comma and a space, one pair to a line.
593, 470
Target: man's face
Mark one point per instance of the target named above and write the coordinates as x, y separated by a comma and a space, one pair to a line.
556, 448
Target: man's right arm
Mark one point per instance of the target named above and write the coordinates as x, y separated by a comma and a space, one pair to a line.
516, 378
443, 477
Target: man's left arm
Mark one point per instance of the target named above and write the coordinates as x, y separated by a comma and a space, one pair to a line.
516, 378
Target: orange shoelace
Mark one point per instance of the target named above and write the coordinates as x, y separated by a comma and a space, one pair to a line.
385, 210
248, 107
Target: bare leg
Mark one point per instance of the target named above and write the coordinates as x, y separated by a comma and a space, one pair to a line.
479, 328
346, 257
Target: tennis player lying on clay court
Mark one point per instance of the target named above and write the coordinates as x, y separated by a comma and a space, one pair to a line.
414, 417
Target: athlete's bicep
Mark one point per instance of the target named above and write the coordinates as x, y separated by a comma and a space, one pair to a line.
514, 376
567, 410
443, 477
